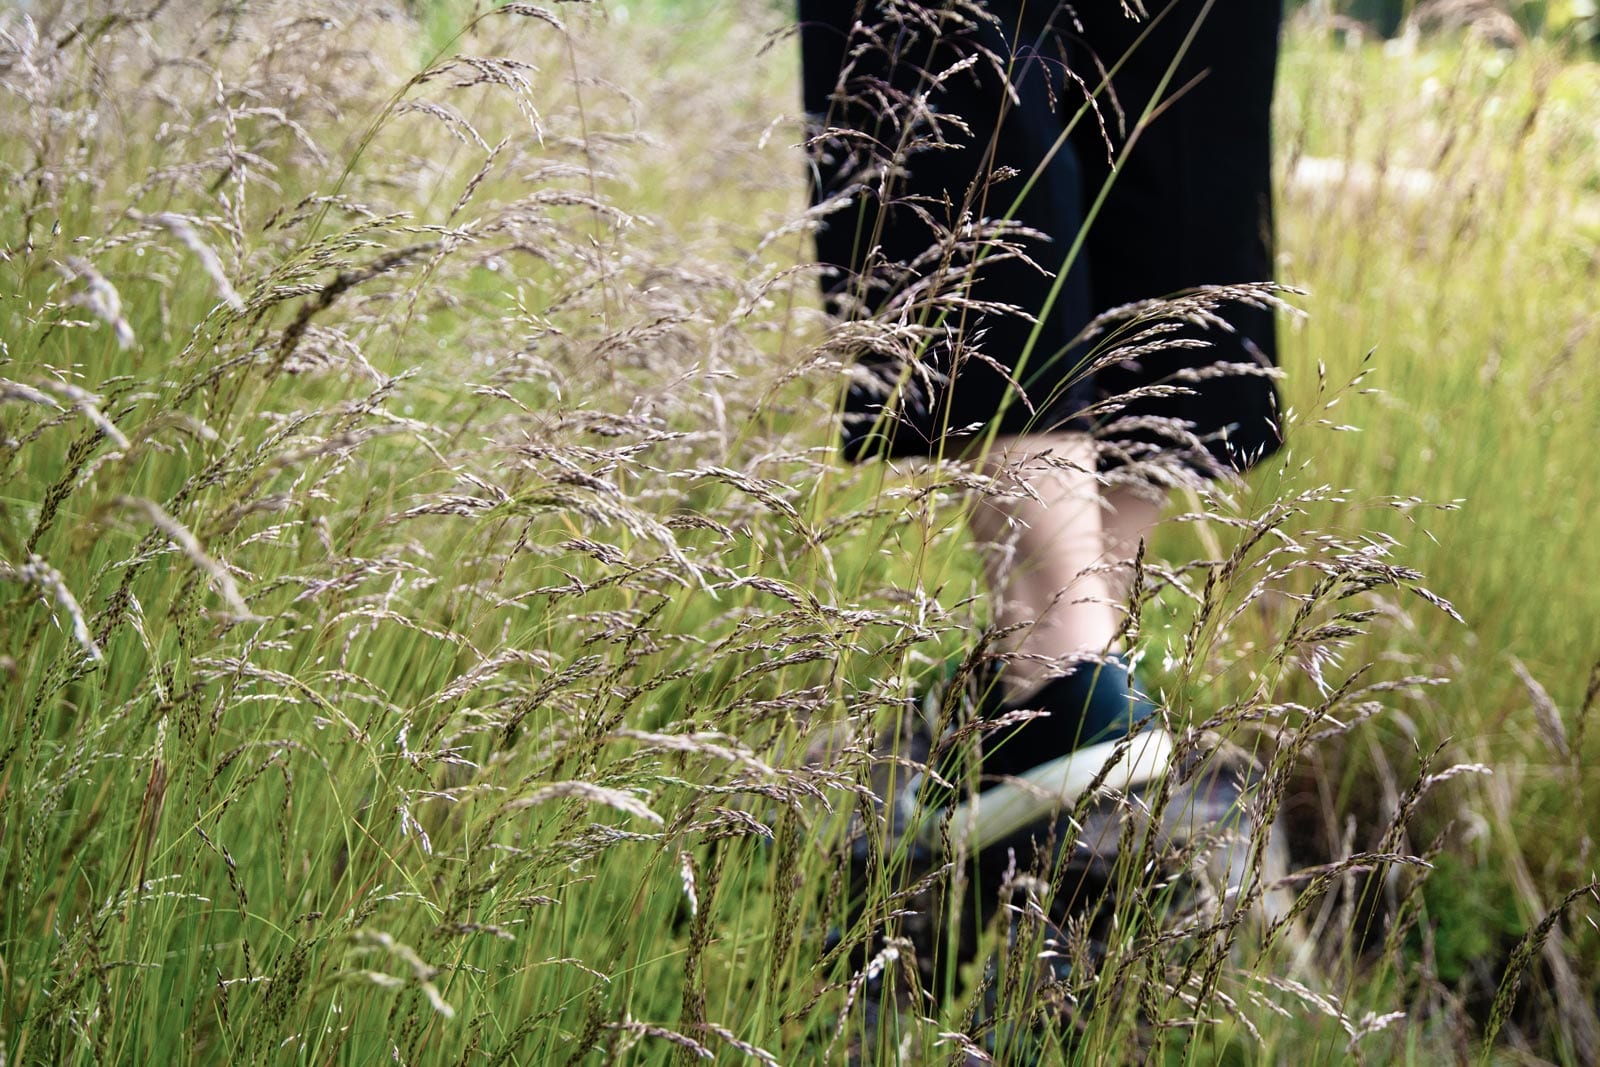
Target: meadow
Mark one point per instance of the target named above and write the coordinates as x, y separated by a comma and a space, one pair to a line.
435, 626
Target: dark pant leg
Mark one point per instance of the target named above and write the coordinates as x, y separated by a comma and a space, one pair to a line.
1191, 205
931, 114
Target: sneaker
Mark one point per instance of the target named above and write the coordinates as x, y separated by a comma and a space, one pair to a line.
1068, 820
1181, 843
1091, 729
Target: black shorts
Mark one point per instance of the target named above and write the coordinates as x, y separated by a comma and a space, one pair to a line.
920, 114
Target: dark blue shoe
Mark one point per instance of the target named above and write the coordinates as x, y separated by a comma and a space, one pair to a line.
1096, 701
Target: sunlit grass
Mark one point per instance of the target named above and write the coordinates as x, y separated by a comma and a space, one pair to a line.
436, 628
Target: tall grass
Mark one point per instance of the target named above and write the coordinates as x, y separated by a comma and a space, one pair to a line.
434, 626
1475, 299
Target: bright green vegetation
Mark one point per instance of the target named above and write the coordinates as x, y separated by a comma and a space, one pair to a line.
434, 629
1478, 301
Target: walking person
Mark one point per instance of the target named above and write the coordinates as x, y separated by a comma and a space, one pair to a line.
1118, 159
991, 178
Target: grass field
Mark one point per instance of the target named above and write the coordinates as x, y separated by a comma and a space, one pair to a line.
435, 628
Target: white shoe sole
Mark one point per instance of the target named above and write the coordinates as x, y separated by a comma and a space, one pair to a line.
1044, 791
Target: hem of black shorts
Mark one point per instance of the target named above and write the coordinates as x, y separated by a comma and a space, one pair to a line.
1228, 457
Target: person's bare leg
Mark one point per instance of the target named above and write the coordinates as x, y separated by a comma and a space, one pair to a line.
1129, 516
1057, 552
1044, 549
